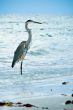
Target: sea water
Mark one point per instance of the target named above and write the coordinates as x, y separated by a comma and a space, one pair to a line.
49, 58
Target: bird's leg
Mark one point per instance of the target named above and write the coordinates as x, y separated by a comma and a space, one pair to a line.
21, 67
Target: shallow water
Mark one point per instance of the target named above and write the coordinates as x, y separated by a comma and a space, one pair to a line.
50, 55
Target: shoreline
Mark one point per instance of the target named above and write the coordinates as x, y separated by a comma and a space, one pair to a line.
56, 96
46, 103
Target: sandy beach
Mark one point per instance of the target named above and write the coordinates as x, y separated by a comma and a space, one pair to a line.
59, 97
45, 103
51, 103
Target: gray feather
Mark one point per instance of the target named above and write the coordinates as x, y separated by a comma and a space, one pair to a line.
21, 49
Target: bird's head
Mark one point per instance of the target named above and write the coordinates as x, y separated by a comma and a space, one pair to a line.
31, 21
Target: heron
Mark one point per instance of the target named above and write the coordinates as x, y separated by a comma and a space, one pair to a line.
23, 47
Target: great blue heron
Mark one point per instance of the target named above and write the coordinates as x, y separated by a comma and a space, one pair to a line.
23, 47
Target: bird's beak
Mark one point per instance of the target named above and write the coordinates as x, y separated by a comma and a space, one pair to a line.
37, 22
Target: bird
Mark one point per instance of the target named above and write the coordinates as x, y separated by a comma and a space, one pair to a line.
21, 51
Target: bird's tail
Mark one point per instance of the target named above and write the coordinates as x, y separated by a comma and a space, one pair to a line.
13, 63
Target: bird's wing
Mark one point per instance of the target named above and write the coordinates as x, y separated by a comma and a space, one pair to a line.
20, 47
21, 50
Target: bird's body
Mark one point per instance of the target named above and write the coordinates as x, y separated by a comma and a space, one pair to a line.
20, 53
23, 47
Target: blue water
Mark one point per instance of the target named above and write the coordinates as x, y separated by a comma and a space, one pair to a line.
50, 55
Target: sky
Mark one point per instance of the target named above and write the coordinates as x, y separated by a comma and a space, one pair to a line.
63, 7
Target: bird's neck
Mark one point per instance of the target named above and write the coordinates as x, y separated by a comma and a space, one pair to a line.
29, 37
29, 34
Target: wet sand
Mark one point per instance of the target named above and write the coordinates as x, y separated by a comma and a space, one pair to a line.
60, 97
45, 103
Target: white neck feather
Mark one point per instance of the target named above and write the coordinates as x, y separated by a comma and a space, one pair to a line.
29, 34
